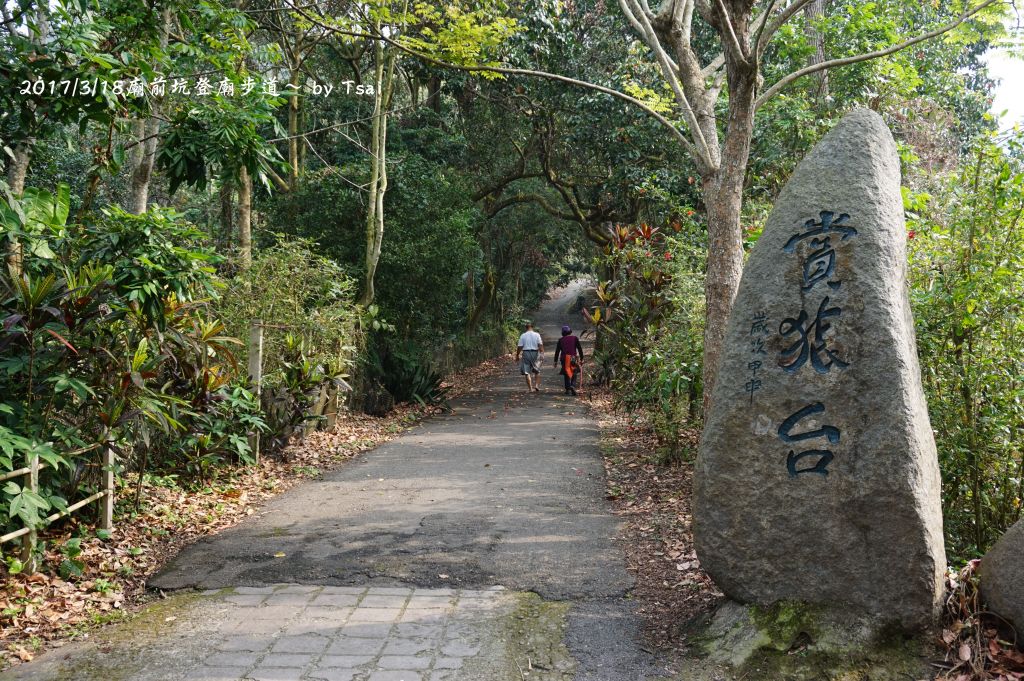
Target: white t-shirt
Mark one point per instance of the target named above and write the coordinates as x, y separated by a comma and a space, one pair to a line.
530, 340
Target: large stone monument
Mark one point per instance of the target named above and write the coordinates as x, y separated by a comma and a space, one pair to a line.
817, 479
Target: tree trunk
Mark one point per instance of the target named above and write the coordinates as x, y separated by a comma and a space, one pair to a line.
815, 12
146, 134
146, 131
302, 140
723, 196
18, 168
245, 217
293, 130
227, 207
16, 173
383, 77
434, 94
490, 288
724, 266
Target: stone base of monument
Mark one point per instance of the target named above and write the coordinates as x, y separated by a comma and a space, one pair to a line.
798, 642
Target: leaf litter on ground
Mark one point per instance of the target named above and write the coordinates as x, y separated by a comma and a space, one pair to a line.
654, 501
51, 608
979, 645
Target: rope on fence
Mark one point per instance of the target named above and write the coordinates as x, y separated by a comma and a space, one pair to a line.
28, 533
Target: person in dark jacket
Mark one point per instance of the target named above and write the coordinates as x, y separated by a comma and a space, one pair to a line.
570, 351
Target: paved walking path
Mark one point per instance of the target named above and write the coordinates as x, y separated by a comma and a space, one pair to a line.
477, 547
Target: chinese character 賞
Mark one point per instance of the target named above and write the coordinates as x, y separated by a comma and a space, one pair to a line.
820, 263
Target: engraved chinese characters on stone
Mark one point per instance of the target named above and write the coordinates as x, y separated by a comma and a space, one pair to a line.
824, 488
811, 341
824, 456
759, 329
820, 263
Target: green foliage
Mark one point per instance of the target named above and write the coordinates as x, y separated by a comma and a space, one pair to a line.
306, 304
429, 242
650, 326
107, 342
75, 51
71, 565
465, 33
967, 272
116, 333
297, 387
220, 137
78, 74
295, 291
30, 219
406, 375
154, 257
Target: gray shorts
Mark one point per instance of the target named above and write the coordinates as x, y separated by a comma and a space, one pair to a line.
530, 362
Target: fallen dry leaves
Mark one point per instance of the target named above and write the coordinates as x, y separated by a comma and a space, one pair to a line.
654, 501
672, 589
979, 646
43, 610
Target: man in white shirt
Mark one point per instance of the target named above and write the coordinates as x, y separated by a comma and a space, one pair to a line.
531, 347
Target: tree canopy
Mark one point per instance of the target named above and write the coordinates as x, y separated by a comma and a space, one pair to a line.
390, 188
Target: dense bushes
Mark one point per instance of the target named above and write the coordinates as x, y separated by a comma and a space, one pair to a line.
428, 245
310, 321
650, 321
967, 272
108, 341
293, 290
430, 268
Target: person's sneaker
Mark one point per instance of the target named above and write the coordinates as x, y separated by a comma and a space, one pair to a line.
573, 391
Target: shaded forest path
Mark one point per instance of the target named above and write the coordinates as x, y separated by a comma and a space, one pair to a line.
477, 546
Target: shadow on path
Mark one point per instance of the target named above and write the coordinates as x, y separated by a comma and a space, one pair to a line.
506, 491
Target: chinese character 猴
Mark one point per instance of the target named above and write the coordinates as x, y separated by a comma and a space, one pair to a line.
811, 342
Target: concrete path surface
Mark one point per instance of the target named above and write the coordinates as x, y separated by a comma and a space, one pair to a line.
478, 546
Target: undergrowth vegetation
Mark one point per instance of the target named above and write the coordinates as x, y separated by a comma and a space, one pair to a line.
967, 289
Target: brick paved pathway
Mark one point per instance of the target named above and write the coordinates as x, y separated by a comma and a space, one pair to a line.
477, 547
294, 632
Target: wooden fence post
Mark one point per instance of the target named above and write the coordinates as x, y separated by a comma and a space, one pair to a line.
107, 508
256, 375
319, 409
28, 543
331, 412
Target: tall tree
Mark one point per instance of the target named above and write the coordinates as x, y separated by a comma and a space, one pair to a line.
147, 132
38, 27
815, 12
711, 56
244, 216
721, 149
296, 39
448, 30
383, 83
